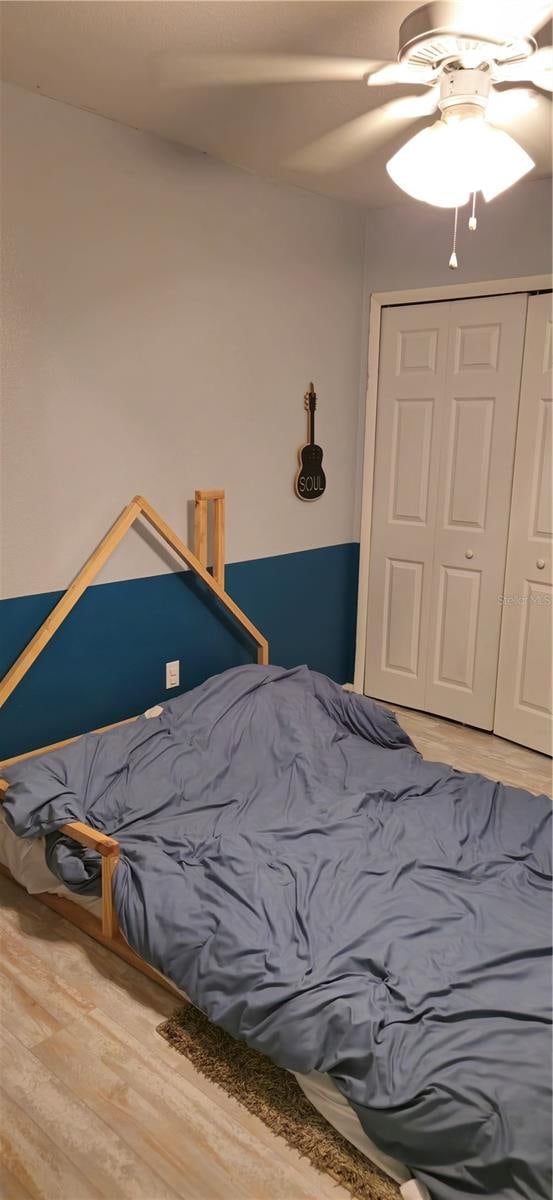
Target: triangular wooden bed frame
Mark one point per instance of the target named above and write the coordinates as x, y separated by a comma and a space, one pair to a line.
106, 930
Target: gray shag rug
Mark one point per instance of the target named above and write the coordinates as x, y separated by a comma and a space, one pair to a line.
274, 1096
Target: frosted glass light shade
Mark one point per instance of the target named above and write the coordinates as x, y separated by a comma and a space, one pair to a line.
504, 162
420, 169
443, 164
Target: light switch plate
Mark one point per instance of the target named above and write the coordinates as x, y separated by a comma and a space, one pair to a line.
172, 674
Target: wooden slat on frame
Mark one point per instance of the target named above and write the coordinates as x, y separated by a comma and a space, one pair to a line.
87, 573
201, 501
136, 508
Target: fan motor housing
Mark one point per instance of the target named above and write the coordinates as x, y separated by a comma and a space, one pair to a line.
464, 87
432, 36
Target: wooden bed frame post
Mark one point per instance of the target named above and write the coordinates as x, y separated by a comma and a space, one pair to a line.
108, 849
201, 501
219, 540
109, 915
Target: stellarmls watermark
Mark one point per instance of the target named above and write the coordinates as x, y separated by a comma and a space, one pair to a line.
539, 598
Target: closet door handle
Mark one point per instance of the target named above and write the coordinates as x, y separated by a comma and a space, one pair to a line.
540, 564
469, 553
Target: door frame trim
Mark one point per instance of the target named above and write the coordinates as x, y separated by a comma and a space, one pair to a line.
378, 301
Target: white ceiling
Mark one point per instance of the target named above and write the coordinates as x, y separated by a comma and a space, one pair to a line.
107, 56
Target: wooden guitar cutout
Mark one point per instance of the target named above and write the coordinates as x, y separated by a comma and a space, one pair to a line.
311, 479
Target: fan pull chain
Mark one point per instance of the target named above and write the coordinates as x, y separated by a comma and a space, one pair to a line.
453, 260
472, 219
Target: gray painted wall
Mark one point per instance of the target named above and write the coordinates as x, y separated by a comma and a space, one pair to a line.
164, 314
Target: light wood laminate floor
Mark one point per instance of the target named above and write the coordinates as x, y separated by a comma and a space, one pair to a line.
470, 749
93, 1103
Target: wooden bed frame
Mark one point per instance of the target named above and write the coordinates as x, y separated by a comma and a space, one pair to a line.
106, 930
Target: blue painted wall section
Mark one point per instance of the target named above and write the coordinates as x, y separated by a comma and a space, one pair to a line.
108, 659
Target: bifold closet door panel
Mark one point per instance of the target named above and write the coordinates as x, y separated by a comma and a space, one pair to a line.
413, 353
480, 406
523, 702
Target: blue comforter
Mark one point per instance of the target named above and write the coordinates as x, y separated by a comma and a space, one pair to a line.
319, 890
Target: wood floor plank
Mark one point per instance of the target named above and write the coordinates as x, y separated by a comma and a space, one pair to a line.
474, 750
25, 1016
94, 1149
170, 1122
154, 1120
37, 1166
10, 1187
61, 998
73, 956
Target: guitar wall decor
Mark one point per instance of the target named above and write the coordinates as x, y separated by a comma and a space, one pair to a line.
311, 480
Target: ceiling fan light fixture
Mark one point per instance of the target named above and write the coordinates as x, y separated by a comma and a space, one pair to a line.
458, 155
420, 170
505, 163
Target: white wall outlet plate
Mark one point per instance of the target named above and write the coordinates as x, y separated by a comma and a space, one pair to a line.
172, 674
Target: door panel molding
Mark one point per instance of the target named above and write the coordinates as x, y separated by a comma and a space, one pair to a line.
410, 443
477, 348
460, 444
541, 523
417, 351
458, 606
534, 674
401, 638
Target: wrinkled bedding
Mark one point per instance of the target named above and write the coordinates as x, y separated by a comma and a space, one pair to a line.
291, 862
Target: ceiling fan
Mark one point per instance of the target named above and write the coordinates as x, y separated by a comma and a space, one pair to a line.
457, 52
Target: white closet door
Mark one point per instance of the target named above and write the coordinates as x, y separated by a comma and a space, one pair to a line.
449, 382
411, 385
482, 387
523, 705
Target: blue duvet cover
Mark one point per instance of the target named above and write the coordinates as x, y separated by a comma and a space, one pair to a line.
292, 863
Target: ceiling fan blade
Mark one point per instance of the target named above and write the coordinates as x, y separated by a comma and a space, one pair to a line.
360, 137
502, 18
537, 15
538, 69
192, 70
508, 107
396, 72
